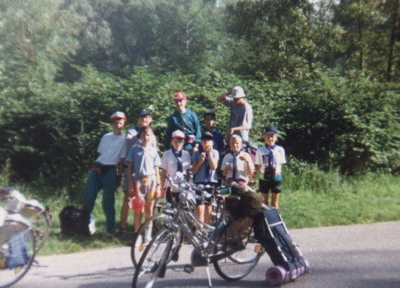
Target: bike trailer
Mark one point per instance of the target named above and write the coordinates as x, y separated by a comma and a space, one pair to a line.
271, 232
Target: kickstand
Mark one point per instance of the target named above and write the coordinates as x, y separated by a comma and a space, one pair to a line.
209, 276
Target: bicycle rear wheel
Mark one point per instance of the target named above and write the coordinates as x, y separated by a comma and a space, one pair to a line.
17, 251
235, 254
152, 264
158, 223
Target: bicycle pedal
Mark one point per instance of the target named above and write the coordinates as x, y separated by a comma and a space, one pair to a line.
188, 268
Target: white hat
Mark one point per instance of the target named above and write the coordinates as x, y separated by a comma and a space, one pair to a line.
178, 134
118, 115
237, 92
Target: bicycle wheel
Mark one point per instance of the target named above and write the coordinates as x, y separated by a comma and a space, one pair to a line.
40, 221
158, 223
235, 253
152, 264
17, 251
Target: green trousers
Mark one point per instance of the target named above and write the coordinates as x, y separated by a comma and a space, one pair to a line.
107, 183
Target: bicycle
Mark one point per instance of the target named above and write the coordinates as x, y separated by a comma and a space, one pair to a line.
38, 215
232, 254
158, 219
17, 248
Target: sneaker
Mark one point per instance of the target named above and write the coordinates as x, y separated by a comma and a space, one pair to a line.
121, 233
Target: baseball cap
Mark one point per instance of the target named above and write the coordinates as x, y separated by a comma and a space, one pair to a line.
144, 112
180, 96
178, 134
210, 112
237, 92
271, 130
117, 115
207, 136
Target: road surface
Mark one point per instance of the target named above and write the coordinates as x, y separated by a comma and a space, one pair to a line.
358, 256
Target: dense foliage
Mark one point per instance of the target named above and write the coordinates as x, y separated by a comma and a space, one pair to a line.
327, 74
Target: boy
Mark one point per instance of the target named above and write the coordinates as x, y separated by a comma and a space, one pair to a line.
209, 118
144, 181
269, 161
112, 149
175, 163
205, 164
185, 120
133, 138
237, 165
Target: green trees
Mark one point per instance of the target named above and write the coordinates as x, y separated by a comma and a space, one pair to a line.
327, 74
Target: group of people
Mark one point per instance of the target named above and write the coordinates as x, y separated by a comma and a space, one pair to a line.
193, 152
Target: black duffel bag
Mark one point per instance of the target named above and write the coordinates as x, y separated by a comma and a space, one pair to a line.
74, 221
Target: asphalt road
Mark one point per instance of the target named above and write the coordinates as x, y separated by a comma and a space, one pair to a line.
359, 256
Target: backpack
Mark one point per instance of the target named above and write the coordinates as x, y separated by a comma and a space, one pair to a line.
243, 202
74, 221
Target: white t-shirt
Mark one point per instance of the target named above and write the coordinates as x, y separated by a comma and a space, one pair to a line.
169, 163
279, 158
111, 148
241, 166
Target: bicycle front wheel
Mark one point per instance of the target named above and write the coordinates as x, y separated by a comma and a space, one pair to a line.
235, 253
17, 251
153, 263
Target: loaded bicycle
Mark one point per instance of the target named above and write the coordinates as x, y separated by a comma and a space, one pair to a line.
228, 245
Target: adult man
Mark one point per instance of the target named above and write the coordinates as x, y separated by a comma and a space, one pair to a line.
112, 149
185, 120
241, 113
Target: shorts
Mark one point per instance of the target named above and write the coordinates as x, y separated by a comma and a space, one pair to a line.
205, 200
266, 186
172, 197
147, 187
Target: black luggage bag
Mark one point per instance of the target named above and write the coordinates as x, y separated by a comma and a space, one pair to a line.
271, 232
74, 221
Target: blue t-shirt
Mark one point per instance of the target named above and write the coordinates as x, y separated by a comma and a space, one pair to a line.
144, 161
205, 174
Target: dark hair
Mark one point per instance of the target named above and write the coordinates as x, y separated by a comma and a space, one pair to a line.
145, 130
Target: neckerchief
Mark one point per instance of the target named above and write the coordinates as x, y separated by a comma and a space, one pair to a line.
178, 156
234, 164
270, 155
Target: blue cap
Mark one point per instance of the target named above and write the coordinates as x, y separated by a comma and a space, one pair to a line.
144, 112
271, 130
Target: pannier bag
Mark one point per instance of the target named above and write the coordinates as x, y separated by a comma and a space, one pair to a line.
74, 221
271, 232
242, 202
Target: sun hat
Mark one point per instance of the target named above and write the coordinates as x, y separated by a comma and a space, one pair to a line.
180, 96
178, 134
237, 92
117, 115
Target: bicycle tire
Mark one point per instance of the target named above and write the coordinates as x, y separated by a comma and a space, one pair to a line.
41, 228
138, 247
15, 235
235, 254
152, 264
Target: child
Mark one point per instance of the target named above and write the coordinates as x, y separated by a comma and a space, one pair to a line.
112, 149
237, 165
132, 138
205, 164
144, 181
209, 118
269, 161
175, 163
